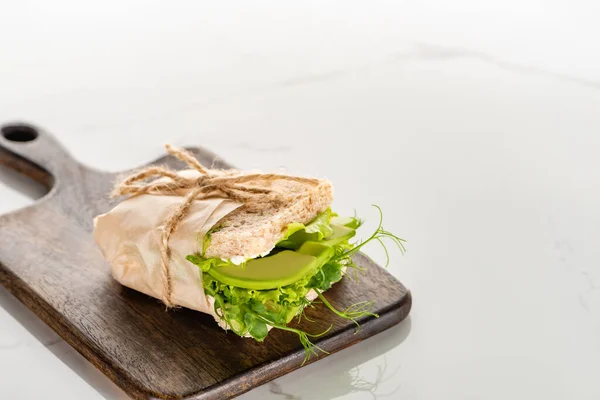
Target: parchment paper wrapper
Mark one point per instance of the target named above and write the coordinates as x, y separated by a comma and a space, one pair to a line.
129, 234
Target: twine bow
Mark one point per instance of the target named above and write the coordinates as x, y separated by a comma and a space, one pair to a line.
230, 184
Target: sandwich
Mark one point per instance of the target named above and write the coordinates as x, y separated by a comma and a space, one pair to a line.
253, 250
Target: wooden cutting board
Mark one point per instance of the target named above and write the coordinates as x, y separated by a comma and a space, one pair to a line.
49, 261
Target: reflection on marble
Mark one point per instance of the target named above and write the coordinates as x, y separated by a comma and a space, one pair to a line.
362, 385
353, 382
362, 369
275, 389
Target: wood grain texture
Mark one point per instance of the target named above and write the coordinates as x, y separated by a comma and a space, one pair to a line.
49, 261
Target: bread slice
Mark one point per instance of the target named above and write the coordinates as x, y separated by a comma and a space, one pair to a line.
252, 231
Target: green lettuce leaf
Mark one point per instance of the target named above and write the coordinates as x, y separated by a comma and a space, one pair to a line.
205, 263
315, 231
320, 225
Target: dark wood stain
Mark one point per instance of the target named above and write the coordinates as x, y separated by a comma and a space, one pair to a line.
49, 261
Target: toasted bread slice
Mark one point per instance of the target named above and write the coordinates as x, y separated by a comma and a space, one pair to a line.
251, 231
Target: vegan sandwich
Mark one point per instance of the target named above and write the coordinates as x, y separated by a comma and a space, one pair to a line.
251, 249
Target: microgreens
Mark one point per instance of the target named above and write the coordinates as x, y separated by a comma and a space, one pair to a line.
379, 234
355, 311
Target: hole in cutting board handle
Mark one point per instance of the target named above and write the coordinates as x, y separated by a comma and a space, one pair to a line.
19, 133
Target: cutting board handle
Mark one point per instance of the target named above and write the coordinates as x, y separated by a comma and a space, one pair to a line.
36, 146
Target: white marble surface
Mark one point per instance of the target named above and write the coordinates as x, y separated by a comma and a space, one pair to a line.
474, 124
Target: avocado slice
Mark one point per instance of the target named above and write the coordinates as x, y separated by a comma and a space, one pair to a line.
297, 238
323, 254
271, 272
319, 250
343, 229
340, 234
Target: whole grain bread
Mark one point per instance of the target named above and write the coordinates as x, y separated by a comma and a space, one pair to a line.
252, 230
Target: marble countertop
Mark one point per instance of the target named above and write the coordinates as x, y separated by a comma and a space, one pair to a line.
474, 125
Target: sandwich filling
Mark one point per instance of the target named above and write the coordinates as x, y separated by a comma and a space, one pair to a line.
269, 291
